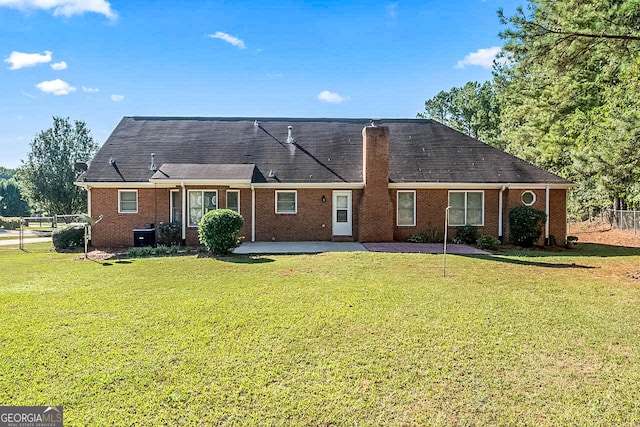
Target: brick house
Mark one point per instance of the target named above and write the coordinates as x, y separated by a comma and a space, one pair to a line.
295, 179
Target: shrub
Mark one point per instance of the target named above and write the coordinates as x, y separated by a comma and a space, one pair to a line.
141, 252
485, 242
68, 237
430, 236
467, 234
10, 223
525, 225
169, 233
219, 231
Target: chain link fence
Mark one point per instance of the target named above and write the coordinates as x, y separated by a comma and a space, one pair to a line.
623, 220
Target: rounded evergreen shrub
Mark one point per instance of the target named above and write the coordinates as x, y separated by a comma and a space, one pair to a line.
169, 233
68, 237
467, 234
485, 242
219, 231
525, 225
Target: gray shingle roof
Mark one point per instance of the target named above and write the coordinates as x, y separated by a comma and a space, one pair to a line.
191, 171
325, 151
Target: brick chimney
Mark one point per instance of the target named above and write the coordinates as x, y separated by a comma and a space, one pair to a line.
376, 208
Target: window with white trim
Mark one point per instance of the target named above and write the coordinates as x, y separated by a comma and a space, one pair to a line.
176, 206
127, 201
201, 202
406, 208
286, 202
467, 208
528, 198
233, 200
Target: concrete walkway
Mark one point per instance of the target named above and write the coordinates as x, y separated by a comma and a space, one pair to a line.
15, 237
423, 248
10, 242
318, 247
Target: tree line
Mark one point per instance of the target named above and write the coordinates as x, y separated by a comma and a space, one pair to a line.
565, 95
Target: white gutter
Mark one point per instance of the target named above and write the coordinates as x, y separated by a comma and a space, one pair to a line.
253, 213
476, 186
184, 211
323, 185
215, 182
500, 213
546, 209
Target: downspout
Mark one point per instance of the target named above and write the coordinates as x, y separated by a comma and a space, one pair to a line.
500, 213
184, 212
89, 209
546, 210
253, 213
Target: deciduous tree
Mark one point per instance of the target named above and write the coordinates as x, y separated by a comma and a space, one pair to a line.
47, 177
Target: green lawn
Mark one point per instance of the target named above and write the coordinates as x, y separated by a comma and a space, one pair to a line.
330, 339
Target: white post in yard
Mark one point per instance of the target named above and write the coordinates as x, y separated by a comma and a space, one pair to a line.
446, 226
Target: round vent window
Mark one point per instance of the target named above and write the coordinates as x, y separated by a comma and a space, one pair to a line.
528, 198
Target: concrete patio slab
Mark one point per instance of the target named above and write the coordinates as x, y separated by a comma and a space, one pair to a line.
297, 247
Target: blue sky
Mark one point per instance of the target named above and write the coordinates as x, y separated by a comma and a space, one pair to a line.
97, 61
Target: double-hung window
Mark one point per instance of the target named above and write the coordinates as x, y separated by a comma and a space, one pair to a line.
406, 214
233, 200
201, 202
127, 201
466, 208
286, 202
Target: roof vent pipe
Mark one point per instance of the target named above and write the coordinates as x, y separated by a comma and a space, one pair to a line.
290, 139
153, 166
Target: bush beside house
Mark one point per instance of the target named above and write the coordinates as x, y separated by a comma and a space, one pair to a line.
68, 237
219, 231
525, 224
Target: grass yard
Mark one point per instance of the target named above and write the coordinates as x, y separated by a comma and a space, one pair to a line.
330, 339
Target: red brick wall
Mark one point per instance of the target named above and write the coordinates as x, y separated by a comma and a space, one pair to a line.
313, 220
375, 207
557, 210
116, 229
430, 213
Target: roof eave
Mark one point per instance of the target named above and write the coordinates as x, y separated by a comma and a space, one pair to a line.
482, 185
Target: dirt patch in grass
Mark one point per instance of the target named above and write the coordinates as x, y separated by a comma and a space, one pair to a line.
102, 254
604, 235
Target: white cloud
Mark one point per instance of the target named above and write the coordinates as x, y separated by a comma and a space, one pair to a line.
482, 58
27, 94
332, 97
392, 11
56, 87
63, 7
59, 66
226, 37
17, 60
117, 98
90, 89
